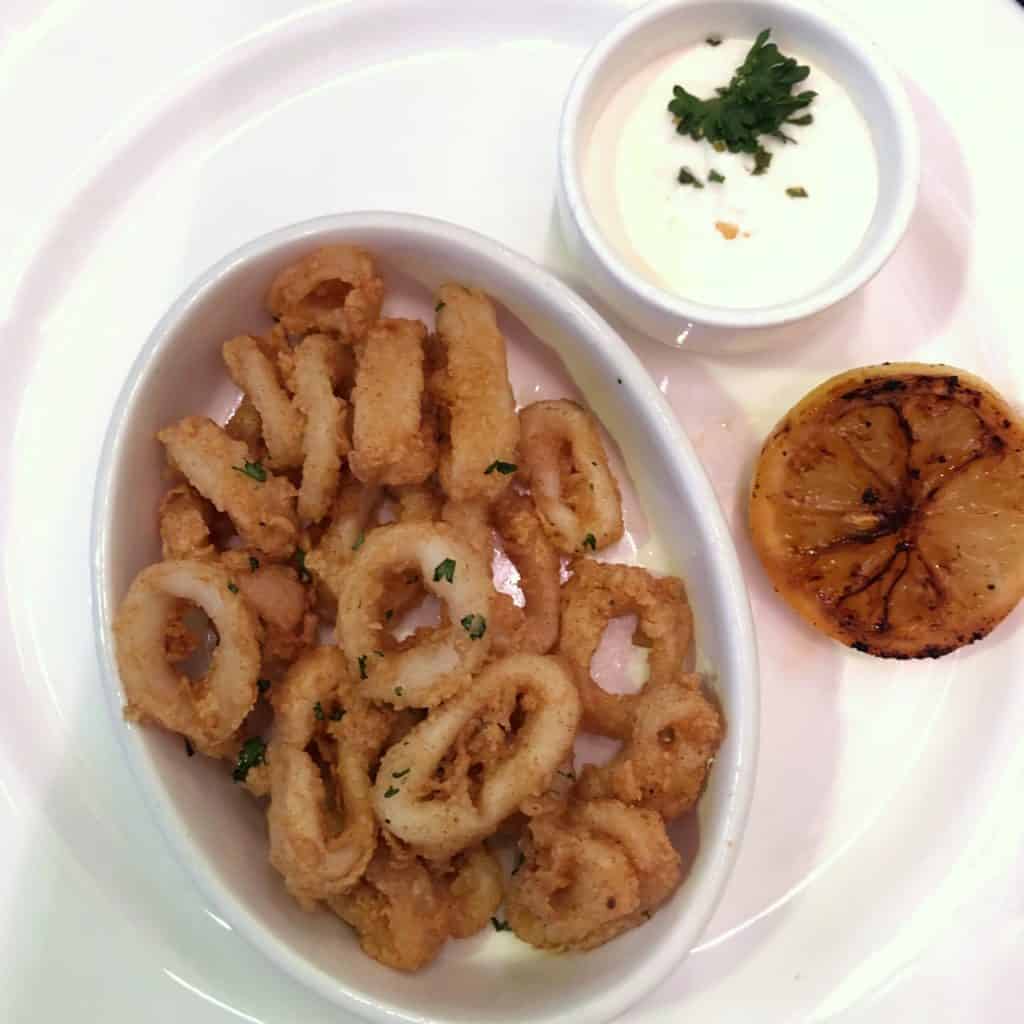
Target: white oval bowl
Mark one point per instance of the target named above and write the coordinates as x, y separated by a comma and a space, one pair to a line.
820, 36
219, 832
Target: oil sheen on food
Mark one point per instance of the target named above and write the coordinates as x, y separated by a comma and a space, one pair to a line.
675, 235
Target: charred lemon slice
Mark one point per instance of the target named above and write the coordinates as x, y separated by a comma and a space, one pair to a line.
888, 509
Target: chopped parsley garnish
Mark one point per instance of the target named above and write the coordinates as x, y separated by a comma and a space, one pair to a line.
388, 614
253, 470
402, 774
337, 714
263, 685
500, 926
439, 307
590, 541
318, 711
359, 542
716, 177
399, 691
189, 749
445, 571
474, 625
796, 192
305, 576
687, 177
504, 468
253, 752
758, 101
254, 563
714, 40
233, 587
362, 666
390, 792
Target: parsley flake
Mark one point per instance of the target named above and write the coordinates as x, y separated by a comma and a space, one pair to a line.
399, 691
500, 926
687, 177
254, 563
474, 625
590, 541
337, 714
318, 711
445, 571
253, 470
263, 685
359, 541
716, 177
233, 587
439, 307
504, 468
715, 40
390, 792
402, 774
796, 192
362, 666
305, 576
253, 752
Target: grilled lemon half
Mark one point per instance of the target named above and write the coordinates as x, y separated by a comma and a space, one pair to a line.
888, 509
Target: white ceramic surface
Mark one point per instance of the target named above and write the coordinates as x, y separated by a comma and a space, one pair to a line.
823, 38
217, 830
881, 869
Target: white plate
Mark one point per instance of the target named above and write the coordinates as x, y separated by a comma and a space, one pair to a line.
881, 873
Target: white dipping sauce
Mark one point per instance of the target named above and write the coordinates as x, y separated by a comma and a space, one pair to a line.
784, 247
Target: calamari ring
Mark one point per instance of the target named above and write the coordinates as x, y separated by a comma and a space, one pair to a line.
475, 891
209, 710
398, 911
435, 666
262, 507
335, 289
664, 764
256, 374
405, 788
589, 874
350, 516
316, 866
324, 437
576, 495
538, 564
185, 525
599, 592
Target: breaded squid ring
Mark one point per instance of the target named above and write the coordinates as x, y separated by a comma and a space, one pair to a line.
185, 525
394, 435
590, 874
538, 564
209, 710
398, 910
341, 540
335, 289
316, 866
476, 888
434, 667
261, 505
576, 494
324, 437
599, 592
403, 794
256, 374
662, 767
481, 449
